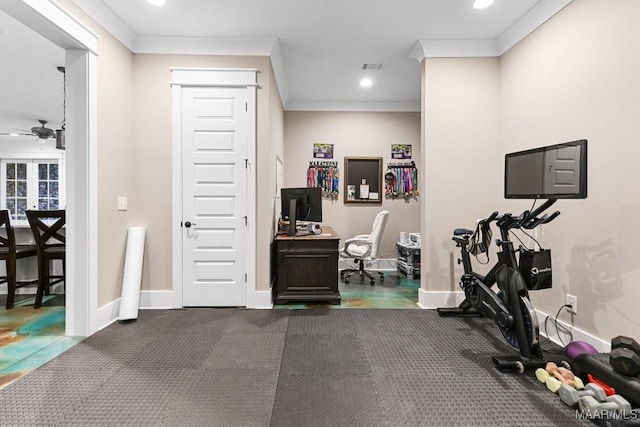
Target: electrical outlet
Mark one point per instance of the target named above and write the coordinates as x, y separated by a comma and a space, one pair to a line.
122, 203
573, 300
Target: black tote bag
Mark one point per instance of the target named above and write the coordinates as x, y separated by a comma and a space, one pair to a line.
535, 267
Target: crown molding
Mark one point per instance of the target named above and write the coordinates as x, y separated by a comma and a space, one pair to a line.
109, 20
538, 15
53, 22
296, 105
534, 18
204, 46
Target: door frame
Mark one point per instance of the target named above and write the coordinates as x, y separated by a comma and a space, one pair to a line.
224, 78
80, 44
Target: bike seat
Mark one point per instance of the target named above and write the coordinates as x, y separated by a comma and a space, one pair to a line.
462, 232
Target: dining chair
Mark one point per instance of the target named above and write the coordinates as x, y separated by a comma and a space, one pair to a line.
10, 252
46, 227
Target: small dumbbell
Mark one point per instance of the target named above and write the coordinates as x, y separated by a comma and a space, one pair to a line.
553, 382
570, 396
613, 403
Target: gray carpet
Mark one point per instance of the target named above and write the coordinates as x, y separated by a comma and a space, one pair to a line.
228, 367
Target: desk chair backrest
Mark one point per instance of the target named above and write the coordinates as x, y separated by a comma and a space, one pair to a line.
379, 223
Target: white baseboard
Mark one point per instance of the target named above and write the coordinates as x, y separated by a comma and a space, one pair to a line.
107, 314
156, 300
577, 334
382, 264
162, 300
434, 299
31, 289
259, 299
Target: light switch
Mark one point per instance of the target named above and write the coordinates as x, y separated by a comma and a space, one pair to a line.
122, 203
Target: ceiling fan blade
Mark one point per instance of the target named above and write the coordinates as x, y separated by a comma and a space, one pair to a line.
16, 134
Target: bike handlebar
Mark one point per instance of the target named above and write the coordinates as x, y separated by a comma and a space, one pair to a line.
524, 220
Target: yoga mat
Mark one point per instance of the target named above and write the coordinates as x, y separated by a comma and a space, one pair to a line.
132, 277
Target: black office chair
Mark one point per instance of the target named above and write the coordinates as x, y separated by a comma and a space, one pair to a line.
50, 246
10, 252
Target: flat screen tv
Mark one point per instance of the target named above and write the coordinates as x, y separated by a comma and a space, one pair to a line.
553, 172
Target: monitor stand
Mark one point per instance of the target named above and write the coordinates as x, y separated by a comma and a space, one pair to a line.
292, 218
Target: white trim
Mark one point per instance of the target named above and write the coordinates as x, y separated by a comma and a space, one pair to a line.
251, 177
297, 105
156, 299
538, 15
98, 11
53, 22
228, 46
176, 190
379, 264
214, 77
82, 192
535, 17
578, 334
435, 299
107, 314
259, 299
80, 44
277, 66
455, 49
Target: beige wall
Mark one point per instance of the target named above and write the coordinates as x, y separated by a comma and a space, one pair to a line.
116, 156
153, 136
267, 183
134, 139
354, 134
463, 172
577, 77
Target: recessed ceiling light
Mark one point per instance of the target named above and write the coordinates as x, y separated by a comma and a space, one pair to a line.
366, 82
481, 4
156, 2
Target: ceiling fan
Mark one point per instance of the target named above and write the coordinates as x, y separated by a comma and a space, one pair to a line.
41, 132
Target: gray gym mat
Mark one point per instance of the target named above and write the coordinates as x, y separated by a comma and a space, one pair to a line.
234, 367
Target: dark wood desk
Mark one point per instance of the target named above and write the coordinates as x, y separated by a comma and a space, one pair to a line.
307, 268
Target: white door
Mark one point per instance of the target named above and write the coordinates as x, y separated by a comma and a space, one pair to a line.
214, 181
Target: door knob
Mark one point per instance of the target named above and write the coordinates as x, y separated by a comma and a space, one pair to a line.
189, 224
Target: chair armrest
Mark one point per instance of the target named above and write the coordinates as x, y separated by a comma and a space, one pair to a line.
361, 236
357, 242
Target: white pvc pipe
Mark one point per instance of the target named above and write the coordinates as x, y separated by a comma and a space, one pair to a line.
132, 276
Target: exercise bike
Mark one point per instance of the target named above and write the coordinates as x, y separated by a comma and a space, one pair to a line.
509, 307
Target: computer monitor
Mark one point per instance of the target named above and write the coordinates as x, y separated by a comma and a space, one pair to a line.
301, 204
553, 172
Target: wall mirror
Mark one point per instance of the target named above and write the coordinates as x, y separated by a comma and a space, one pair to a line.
363, 180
